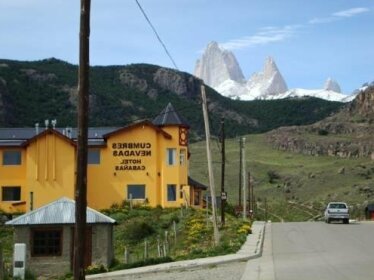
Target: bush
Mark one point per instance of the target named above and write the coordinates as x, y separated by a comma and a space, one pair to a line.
138, 230
273, 176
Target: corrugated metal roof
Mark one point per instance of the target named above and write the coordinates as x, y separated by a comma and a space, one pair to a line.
61, 211
15, 137
169, 116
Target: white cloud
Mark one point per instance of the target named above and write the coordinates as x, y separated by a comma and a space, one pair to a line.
264, 36
340, 15
351, 12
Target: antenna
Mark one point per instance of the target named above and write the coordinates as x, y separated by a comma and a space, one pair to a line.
54, 122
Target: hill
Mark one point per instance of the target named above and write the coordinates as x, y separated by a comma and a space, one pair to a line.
32, 91
347, 133
297, 186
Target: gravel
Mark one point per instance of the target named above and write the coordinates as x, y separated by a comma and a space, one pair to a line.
232, 271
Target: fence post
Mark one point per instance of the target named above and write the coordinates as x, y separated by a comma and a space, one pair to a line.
175, 232
159, 251
1, 262
145, 249
127, 255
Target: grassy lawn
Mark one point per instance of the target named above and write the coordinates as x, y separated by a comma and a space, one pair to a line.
308, 180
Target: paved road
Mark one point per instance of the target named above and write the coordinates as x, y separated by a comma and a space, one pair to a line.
320, 251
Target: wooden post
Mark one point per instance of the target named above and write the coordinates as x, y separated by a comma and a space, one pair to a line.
223, 194
145, 249
240, 169
2, 273
175, 232
82, 137
244, 182
210, 168
127, 255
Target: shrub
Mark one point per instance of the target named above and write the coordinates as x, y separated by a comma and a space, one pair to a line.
96, 268
138, 230
273, 176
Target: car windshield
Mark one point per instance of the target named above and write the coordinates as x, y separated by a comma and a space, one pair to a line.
337, 206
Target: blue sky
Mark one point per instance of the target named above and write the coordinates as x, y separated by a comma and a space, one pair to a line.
309, 40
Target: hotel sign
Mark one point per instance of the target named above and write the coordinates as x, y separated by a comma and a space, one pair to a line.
130, 155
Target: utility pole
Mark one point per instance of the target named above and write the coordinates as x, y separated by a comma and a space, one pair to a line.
223, 193
240, 170
244, 182
250, 206
210, 169
81, 174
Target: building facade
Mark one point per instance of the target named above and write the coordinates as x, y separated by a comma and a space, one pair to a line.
48, 233
145, 162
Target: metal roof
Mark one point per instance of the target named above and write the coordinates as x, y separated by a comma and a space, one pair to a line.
61, 211
196, 184
169, 116
14, 137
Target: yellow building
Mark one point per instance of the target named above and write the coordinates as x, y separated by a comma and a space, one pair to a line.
145, 162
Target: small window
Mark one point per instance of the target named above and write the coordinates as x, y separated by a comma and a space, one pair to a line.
170, 156
11, 193
172, 192
46, 242
12, 158
182, 157
136, 192
93, 156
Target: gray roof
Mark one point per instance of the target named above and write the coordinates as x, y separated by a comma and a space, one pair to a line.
61, 211
169, 116
17, 136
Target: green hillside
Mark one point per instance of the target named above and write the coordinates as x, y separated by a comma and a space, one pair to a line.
296, 186
32, 91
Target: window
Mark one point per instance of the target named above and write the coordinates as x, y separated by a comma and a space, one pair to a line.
182, 157
135, 191
172, 192
46, 242
11, 193
12, 158
93, 156
170, 156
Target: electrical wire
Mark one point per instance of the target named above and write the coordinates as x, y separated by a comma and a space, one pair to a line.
156, 33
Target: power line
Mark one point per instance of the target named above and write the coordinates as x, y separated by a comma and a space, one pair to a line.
156, 33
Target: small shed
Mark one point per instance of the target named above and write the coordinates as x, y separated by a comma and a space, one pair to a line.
48, 233
369, 212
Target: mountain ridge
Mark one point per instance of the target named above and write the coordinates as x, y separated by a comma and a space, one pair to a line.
267, 84
32, 91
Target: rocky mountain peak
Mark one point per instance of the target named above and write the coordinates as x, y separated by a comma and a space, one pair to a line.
218, 65
268, 82
332, 85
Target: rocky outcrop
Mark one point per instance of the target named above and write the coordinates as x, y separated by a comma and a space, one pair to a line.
332, 85
346, 134
177, 82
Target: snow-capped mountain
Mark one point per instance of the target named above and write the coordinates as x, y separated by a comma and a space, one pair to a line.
220, 70
218, 65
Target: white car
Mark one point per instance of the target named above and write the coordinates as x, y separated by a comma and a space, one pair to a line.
337, 211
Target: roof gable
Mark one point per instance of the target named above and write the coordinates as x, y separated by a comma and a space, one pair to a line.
61, 211
136, 125
46, 132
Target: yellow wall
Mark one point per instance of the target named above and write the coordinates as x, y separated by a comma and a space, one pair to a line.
48, 169
13, 176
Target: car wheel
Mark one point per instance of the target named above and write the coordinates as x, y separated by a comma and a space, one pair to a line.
346, 221
328, 220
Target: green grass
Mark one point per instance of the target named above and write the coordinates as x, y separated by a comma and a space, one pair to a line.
308, 180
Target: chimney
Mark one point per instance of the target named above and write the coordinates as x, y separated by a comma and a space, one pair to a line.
46, 122
54, 122
36, 128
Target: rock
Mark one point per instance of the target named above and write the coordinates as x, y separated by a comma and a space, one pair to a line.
341, 170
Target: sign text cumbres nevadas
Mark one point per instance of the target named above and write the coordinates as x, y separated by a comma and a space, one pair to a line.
130, 155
